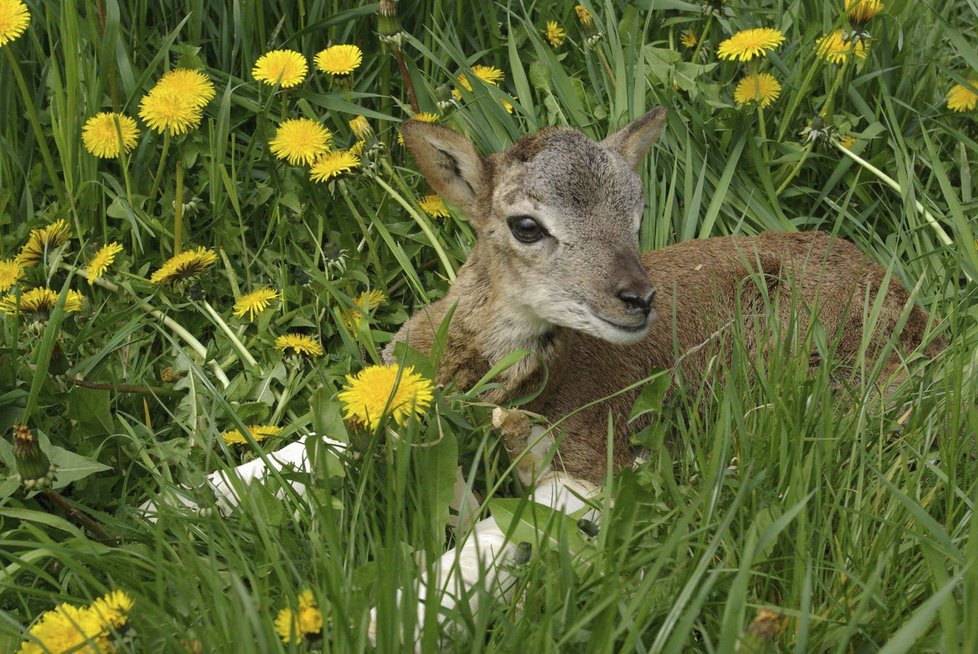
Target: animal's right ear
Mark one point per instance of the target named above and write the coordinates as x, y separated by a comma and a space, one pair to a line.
449, 162
635, 140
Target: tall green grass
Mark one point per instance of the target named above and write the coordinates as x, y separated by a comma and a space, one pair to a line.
767, 489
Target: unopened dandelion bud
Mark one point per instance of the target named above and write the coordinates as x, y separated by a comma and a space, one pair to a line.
35, 469
389, 28
523, 552
763, 629
593, 40
588, 527
170, 376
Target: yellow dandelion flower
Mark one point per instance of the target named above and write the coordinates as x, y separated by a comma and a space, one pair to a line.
40, 301
258, 432
357, 149
863, 11
583, 15
554, 33
101, 261
360, 127
14, 19
100, 138
962, 98
40, 241
113, 608
689, 39
380, 390
488, 74
757, 88
300, 141
193, 84
291, 625
433, 205
287, 68
287, 625
255, 302
747, 44
67, 628
169, 110
847, 141
183, 266
10, 273
365, 302
333, 164
299, 344
837, 47
339, 59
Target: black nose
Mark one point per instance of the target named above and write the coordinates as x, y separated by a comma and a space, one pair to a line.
638, 300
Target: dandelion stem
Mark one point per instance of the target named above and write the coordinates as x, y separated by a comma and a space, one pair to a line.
794, 170
422, 223
235, 341
406, 77
892, 183
796, 100
763, 128
699, 42
371, 250
178, 211
159, 166
36, 126
607, 67
826, 111
174, 326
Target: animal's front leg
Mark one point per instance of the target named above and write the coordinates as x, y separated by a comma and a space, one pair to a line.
481, 557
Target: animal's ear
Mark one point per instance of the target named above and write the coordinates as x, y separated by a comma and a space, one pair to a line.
449, 162
635, 140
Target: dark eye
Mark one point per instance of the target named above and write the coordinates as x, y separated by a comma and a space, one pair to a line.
526, 229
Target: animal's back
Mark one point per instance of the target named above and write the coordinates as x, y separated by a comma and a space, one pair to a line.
703, 287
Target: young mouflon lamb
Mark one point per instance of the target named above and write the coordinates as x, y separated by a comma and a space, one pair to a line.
557, 272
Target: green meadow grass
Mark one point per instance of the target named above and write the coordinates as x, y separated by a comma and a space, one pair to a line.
768, 490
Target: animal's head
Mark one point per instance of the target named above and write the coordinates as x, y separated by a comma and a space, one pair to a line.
557, 216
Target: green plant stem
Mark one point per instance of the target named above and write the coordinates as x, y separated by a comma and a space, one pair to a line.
159, 166
892, 183
826, 111
796, 100
235, 341
795, 169
178, 211
173, 325
283, 399
371, 251
699, 42
422, 223
36, 125
607, 67
763, 128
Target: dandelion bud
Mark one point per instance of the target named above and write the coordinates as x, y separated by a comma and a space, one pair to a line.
35, 469
593, 40
389, 28
523, 552
170, 376
589, 528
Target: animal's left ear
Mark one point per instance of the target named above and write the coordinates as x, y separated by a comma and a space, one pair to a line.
635, 140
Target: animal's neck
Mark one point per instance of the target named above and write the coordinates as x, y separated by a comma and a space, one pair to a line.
489, 324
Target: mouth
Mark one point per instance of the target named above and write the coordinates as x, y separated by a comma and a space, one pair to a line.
630, 329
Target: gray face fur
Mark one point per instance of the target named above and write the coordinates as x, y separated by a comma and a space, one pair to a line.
584, 271
590, 203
